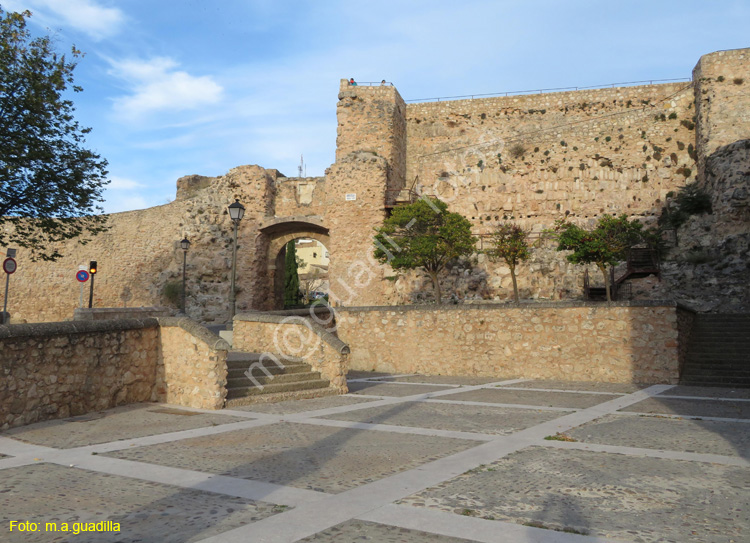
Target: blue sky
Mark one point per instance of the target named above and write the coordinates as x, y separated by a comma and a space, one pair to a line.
178, 87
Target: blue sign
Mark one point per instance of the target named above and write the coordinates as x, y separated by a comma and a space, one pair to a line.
82, 276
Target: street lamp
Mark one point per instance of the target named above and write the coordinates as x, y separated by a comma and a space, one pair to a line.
185, 244
236, 212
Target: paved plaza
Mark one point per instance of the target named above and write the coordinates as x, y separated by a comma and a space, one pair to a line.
402, 458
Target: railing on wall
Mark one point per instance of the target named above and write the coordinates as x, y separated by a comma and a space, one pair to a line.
371, 84
554, 89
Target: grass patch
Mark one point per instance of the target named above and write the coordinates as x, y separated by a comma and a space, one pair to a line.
560, 436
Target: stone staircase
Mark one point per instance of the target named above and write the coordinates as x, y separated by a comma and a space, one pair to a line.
718, 352
291, 379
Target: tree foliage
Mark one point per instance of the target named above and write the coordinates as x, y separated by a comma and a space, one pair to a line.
510, 243
424, 235
292, 295
50, 184
605, 245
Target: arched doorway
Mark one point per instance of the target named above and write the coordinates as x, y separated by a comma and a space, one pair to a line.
282, 231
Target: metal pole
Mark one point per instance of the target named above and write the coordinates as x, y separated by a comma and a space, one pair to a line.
184, 263
234, 266
91, 291
5, 300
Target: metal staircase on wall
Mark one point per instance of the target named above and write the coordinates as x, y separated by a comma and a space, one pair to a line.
641, 262
718, 351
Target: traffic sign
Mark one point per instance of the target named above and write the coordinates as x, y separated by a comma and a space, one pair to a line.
82, 276
9, 265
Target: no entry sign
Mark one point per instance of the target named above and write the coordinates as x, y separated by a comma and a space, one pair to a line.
9, 265
82, 276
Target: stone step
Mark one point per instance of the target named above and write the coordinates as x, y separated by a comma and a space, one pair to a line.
242, 380
716, 371
735, 335
241, 392
280, 397
710, 382
718, 368
715, 357
235, 368
243, 356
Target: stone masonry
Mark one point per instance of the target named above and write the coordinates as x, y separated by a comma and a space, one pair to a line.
529, 159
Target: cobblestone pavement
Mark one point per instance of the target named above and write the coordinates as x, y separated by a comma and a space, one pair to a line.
403, 458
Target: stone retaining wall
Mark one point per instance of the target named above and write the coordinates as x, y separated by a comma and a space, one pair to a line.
619, 342
192, 365
294, 336
57, 370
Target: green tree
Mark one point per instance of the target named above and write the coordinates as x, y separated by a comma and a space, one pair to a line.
605, 245
510, 243
424, 235
291, 277
50, 184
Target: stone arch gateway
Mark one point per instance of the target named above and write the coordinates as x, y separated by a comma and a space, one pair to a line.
278, 233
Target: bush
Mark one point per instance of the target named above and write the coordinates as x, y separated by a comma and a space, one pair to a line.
693, 199
517, 150
172, 291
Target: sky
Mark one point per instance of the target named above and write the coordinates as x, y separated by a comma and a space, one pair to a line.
180, 87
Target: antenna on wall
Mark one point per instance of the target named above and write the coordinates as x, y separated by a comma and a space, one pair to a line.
301, 166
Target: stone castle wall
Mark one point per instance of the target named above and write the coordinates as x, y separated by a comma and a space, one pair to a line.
618, 343
538, 158
529, 159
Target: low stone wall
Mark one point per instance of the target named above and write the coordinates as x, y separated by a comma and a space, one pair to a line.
56, 370
106, 313
619, 342
294, 336
192, 365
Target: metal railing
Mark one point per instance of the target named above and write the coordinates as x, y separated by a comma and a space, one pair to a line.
555, 89
371, 84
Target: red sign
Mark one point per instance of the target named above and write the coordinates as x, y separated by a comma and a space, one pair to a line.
9, 265
82, 276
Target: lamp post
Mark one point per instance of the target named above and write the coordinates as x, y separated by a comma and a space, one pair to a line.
236, 212
185, 244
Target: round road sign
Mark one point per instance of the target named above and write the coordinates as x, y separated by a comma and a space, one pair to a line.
9, 265
82, 276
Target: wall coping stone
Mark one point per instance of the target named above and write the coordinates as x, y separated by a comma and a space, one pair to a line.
266, 316
530, 305
92, 313
214, 342
74, 327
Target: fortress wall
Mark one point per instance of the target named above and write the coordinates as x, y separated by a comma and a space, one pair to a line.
140, 253
722, 81
297, 196
372, 119
537, 158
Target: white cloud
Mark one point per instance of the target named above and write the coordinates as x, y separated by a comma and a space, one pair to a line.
123, 183
114, 203
84, 15
158, 86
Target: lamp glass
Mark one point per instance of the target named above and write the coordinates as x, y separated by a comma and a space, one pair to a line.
236, 211
185, 244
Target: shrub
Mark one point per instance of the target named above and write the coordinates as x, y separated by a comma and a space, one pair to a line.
693, 199
738, 81
517, 150
687, 124
172, 292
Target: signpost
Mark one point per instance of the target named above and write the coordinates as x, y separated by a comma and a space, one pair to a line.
9, 266
82, 276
